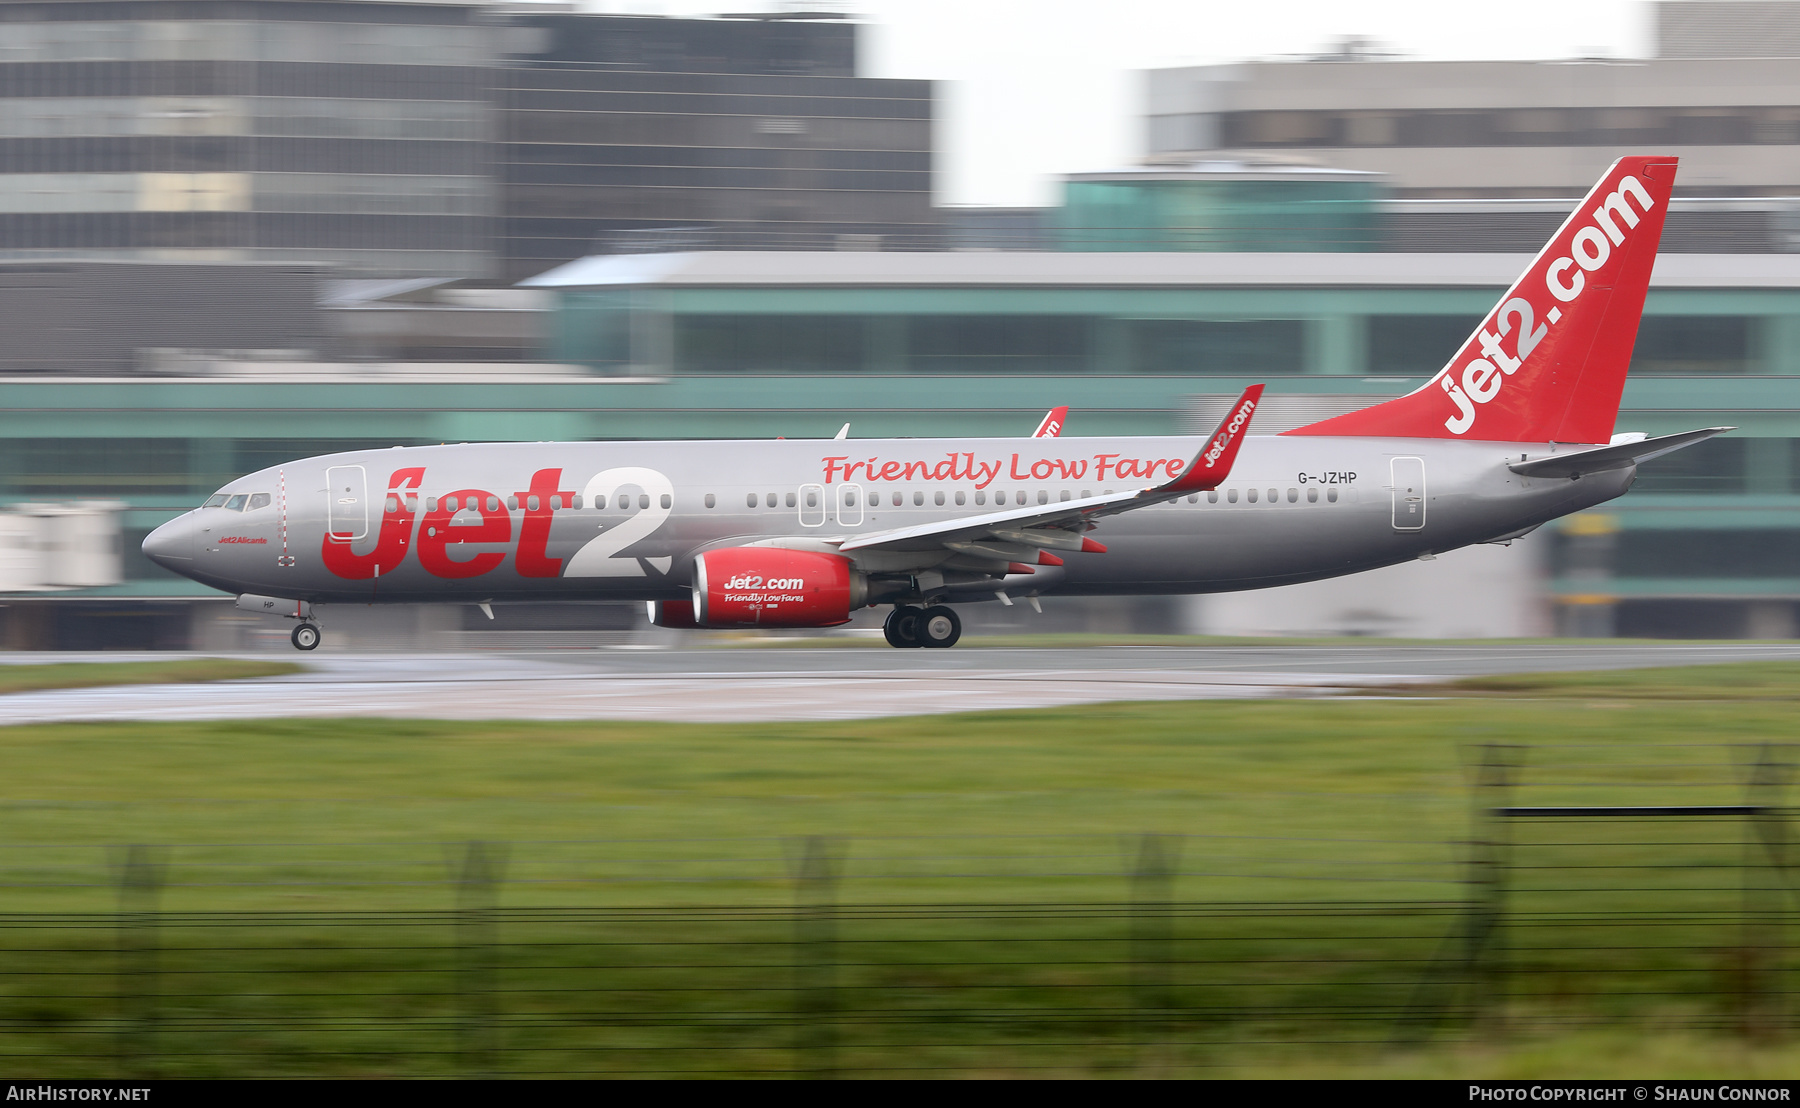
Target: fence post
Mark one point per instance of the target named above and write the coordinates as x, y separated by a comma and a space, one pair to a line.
477, 956
1152, 936
1761, 998
815, 957
1484, 952
140, 888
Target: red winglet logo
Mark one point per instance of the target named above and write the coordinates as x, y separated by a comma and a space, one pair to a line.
1053, 423
1212, 465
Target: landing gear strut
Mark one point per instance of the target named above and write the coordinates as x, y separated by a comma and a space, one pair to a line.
934, 626
306, 636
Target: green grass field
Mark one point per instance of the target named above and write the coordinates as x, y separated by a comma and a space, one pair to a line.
83, 675
309, 895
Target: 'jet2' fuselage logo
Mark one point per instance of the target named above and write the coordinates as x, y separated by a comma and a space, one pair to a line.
1590, 248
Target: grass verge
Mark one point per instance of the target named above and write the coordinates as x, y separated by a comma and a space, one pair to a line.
310, 918
82, 675
1774, 681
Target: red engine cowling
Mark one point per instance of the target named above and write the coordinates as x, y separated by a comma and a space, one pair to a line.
766, 586
672, 613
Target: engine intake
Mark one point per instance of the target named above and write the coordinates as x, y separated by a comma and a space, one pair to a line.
766, 586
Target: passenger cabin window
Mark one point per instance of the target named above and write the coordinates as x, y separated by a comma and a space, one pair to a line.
961, 497
668, 501
899, 500
1231, 496
769, 500
790, 501
260, 500
236, 503
1043, 496
1293, 496
1331, 495
750, 501
512, 503
1250, 495
938, 499
493, 503
1312, 495
217, 499
531, 504
981, 498
918, 499
431, 503
1272, 496
711, 500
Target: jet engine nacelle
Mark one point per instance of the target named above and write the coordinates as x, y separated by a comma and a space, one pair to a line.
672, 613
768, 586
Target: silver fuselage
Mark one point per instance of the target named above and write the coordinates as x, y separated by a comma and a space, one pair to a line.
1322, 507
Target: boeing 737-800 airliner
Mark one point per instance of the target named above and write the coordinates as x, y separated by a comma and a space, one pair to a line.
1515, 430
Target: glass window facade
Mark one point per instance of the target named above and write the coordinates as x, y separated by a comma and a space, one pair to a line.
1692, 345
1177, 213
1416, 345
1714, 466
1201, 346
1623, 126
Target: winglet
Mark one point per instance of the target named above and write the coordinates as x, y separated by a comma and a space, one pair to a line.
1053, 423
1212, 465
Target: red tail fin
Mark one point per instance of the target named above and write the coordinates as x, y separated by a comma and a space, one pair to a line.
1053, 423
1548, 363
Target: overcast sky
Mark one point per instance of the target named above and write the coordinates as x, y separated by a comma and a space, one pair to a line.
1035, 88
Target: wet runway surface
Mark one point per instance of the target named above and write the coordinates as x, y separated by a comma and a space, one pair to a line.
786, 683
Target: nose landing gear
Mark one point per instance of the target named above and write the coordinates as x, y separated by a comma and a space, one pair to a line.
305, 636
934, 626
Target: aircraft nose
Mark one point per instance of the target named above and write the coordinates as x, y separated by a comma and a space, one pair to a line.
172, 542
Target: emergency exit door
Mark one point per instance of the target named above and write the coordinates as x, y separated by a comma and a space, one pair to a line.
1409, 493
347, 512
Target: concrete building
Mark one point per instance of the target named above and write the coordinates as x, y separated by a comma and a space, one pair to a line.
441, 138
354, 134
624, 135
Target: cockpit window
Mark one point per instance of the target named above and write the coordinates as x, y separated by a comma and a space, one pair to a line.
214, 500
258, 500
236, 503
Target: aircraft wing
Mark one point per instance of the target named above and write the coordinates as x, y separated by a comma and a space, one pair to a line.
1025, 536
1604, 458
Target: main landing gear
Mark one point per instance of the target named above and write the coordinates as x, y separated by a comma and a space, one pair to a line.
306, 636
932, 626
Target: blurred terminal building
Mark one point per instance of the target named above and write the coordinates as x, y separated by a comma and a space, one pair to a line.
237, 232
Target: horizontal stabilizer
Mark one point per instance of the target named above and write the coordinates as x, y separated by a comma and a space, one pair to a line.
1605, 458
